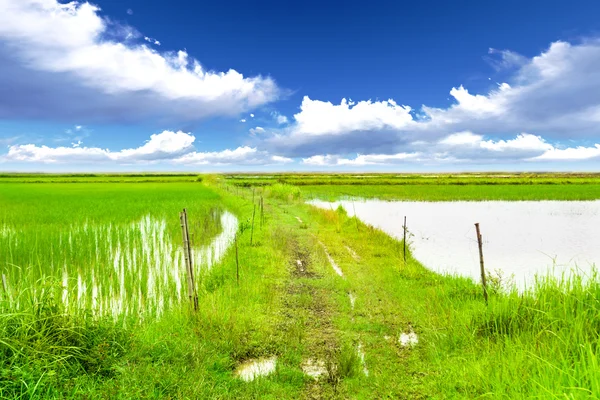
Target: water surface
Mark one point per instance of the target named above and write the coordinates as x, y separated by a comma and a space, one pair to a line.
520, 238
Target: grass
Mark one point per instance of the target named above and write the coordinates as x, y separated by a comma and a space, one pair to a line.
289, 303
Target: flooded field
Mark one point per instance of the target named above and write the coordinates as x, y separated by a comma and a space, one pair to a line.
521, 239
116, 270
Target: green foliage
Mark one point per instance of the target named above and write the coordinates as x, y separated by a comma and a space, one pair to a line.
283, 192
45, 345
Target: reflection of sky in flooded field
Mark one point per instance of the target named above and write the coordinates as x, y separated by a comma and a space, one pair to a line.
133, 269
523, 238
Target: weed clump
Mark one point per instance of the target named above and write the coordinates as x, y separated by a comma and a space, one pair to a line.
42, 347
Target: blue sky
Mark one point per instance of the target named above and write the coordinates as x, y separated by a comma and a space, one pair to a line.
234, 86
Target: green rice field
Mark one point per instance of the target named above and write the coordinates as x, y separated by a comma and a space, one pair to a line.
294, 301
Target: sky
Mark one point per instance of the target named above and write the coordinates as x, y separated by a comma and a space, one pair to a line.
132, 85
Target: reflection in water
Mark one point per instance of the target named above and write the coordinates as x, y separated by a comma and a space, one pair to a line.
520, 238
131, 270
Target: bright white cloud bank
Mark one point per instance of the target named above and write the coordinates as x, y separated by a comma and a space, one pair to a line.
84, 51
554, 97
166, 147
467, 147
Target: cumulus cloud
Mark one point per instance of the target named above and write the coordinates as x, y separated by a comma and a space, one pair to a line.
553, 97
54, 53
151, 40
361, 160
257, 130
321, 118
165, 147
241, 156
466, 147
279, 118
161, 146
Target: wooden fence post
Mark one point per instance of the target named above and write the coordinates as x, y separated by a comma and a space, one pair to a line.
187, 252
480, 244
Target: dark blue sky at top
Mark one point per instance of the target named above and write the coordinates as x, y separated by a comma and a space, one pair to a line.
414, 52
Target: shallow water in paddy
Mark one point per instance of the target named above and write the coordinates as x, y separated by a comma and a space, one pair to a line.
520, 238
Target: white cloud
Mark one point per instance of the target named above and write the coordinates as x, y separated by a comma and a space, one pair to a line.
321, 118
243, 120
161, 146
129, 11
279, 118
241, 156
257, 130
466, 147
555, 94
151, 40
166, 147
83, 51
578, 153
251, 115
361, 160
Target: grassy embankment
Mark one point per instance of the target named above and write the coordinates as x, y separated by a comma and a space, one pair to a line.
539, 345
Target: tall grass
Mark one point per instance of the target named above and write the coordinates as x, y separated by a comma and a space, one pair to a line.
110, 264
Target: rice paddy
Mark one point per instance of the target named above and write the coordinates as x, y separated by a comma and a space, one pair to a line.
294, 301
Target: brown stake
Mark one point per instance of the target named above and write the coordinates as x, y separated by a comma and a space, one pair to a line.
480, 243
186, 257
237, 262
404, 240
187, 252
252, 231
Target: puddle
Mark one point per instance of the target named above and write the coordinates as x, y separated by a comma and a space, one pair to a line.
361, 356
352, 253
335, 267
352, 298
314, 368
408, 339
252, 369
520, 238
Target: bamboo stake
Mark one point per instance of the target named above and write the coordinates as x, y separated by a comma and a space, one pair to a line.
4, 284
481, 265
252, 231
191, 262
237, 262
404, 240
186, 257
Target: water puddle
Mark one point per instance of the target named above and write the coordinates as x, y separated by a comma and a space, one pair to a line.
314, 368
352, 298
335, 267
520, 238
408, 339
361, 356
252, 369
